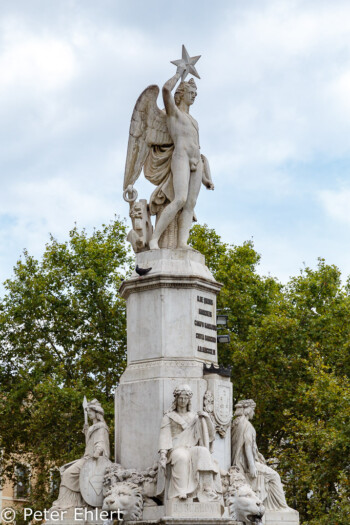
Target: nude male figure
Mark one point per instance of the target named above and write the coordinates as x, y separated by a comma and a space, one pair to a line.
186, 163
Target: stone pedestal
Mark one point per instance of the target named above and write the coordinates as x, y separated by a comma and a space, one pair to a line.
187, 521
281, 517
186, 509
171, 333
171, 311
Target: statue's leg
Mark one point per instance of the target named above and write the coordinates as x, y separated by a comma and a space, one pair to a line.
181, 175
275, 494
181, 482
186, 217
69, 493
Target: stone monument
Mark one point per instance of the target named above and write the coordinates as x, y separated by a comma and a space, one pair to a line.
173, 405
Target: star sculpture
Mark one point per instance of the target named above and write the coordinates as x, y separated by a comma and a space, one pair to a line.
187, 63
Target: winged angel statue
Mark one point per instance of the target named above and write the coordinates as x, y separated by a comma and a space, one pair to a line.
165, 143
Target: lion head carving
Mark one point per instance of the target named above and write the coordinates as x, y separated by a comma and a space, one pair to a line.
244, 505
127, 497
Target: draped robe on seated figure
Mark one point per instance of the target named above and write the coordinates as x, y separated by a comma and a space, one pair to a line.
187, 439
267, 483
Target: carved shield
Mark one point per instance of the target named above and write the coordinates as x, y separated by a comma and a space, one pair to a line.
91, 480
222, 403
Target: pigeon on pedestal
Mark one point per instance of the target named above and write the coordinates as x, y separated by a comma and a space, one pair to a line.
142, 271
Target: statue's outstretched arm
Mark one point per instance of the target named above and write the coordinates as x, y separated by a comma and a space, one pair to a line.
169, 101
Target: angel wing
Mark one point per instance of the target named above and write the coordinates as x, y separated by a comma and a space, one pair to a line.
147, 128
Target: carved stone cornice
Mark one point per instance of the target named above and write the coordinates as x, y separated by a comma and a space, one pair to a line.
150, 282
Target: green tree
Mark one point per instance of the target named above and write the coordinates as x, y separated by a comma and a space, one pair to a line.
289, 351
62, 336
316, 446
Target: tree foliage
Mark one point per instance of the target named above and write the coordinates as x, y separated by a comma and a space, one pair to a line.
290, 352
62, 336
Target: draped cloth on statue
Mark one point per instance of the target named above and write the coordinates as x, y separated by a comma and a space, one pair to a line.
267, 484
97, 441
157, 169
187, 437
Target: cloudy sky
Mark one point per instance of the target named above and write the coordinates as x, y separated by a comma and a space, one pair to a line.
273, 107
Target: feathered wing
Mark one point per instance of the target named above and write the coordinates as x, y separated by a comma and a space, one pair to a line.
147, 128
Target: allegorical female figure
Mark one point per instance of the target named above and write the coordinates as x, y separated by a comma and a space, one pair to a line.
185, 443
265, 481
97, 444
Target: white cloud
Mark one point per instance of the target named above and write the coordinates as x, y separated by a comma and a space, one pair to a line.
337, 204
273, 99
36, 62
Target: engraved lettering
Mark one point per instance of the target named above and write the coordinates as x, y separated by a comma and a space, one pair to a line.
200, 336
194, 509
204, 300
206, 350
210, 338
205, 312
205, 325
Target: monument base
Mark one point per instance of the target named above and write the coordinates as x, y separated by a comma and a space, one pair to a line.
186, 521
281, 517
186, 513
183, 509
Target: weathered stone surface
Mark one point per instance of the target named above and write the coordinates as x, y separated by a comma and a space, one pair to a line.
186, 521
171, 325
165, 143
186, 466
221, 413
139, 409
158, 515
184, 509
81, 480
281, 517
263, 479
171, 311
240, 500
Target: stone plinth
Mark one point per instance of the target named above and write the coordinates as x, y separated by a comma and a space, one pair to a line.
186, 521
171, 332
281, 517
188, 509
171, 311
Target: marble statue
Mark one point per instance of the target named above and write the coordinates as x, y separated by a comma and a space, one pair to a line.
95, 459
165, 143
240, 499
126, 499
129, 490
245, 455
185, 443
